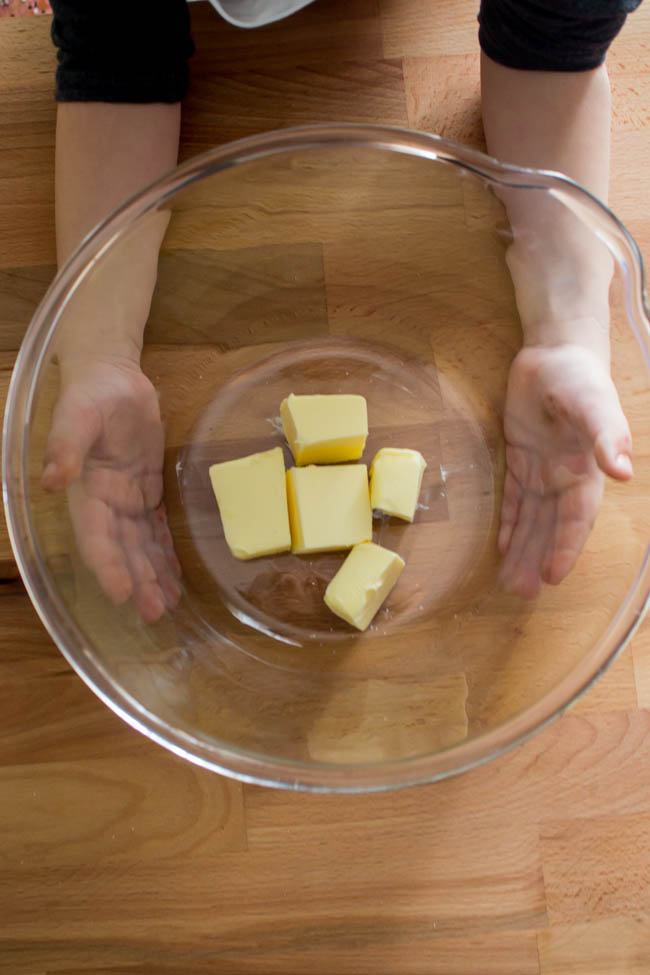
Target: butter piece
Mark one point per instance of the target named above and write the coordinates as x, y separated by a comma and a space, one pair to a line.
325, 429
329, 507
362, 583
395, 481
252, 497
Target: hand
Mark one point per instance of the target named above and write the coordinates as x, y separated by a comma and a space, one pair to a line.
106, 447
564, 429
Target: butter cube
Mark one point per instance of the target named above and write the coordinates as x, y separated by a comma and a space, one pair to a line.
325, 429
252, 497
329, 507
362, 583
395, 481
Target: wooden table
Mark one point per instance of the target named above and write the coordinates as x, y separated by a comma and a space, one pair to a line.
118, 858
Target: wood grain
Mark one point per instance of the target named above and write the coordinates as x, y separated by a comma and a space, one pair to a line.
264, 294
412, 28
620, 944
129, 812
441, 97
120, 859
579, 886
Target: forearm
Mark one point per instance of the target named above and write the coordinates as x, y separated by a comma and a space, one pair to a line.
549, 120
104, 154
558, 121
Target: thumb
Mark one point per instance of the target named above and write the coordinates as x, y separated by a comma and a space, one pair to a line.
75, 428
596, 411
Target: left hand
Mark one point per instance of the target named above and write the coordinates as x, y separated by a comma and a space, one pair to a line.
564, 430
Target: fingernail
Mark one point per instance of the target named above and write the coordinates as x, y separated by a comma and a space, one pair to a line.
50, 471
624, 464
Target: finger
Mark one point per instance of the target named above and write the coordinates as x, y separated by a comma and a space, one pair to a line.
111, 572
166, 578
149, 601
145, 538
152, 489
526, 578
164, 539
98, 547
597, 413
75, 428
135, 535
613, 457
509, 511
524, 526
525, 573
577, 510
520, 536
165, 572
164, 560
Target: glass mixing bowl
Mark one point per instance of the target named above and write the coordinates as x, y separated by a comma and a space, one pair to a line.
335, 259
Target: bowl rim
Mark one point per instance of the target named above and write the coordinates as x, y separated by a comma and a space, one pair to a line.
231, 760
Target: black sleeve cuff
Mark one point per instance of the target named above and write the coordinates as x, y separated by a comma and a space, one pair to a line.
551, 35
134, 54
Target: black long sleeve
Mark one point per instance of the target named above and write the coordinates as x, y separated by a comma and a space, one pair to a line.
141, 54
551, 35
112, 53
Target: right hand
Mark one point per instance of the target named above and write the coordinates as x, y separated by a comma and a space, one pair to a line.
106, 446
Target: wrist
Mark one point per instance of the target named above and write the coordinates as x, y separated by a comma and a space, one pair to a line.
81, 361
587, 332
88, 337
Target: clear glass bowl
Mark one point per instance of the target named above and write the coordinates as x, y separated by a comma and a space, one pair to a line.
335, 258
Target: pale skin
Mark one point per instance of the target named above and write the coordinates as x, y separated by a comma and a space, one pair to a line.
106, 444
564, 426
563, 422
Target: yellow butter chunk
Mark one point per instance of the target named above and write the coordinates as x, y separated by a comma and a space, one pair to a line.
362, 583
252, 497
325, 429
329, 507
395, 481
